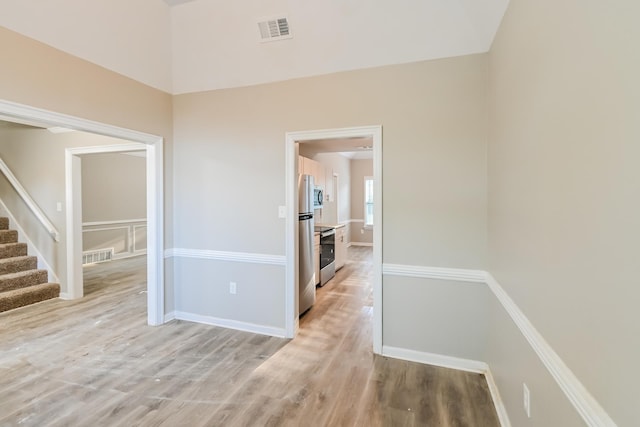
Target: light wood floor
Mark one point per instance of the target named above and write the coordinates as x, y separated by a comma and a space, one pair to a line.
95, 362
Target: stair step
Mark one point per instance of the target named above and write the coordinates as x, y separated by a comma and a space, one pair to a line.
29, 295
19, 263
8, 236
23, 279
10, 250
4, 223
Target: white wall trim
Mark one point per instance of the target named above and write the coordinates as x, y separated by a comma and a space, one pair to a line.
129, 236
134, 239
168, 317
456, 274
435, 359
586, 405
12, 110
231, 324
226, 256
120, 221
503, 416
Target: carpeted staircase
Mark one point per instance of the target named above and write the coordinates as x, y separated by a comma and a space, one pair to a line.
21, 283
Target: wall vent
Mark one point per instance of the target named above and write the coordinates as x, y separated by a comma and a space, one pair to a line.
100, 255
272, 29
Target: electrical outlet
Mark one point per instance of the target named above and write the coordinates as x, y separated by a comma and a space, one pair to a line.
232, 288
527, 399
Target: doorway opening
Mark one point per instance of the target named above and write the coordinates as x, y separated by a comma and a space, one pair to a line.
294, 140
152, 145
114, 220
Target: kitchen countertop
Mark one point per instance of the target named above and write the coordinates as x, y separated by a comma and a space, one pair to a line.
330, 225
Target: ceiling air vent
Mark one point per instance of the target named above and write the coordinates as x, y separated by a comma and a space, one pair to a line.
272, 29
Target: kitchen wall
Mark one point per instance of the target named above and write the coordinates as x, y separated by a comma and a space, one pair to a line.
37, 75
114, 190
563, 202
359, 170
338, 211
229, 179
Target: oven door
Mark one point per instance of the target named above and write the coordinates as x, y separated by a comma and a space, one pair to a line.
327, 248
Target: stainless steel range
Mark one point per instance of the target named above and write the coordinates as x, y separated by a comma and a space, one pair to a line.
327, 253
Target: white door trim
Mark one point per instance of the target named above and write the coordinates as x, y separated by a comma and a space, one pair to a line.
375, 133
155, 214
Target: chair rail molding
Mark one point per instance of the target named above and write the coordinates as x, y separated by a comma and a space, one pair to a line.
585, 404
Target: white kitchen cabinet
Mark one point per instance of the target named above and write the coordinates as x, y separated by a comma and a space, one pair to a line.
319, 174
316, 256
341, 247
328, 185
317, 170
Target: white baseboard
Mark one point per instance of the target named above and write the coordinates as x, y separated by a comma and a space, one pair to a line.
231, 324
435, 359
168, 317
503, 417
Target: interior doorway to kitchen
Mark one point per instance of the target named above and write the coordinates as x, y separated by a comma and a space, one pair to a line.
347, 139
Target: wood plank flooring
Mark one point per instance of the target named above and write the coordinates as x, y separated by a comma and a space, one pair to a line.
95, 362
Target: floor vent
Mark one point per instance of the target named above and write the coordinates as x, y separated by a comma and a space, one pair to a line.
272, 29
100, 255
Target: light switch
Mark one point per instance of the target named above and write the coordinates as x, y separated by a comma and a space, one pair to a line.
282, 211
59, 207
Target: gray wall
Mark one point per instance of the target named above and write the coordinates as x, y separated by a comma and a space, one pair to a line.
563, 201
114, 189
359, 169
229, 162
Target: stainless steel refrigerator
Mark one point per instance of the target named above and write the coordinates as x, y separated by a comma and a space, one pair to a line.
306, 284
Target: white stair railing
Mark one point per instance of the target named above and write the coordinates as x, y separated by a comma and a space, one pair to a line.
31, 204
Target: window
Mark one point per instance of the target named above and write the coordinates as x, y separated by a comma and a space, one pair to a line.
368, 201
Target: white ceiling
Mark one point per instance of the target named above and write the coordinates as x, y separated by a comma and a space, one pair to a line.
352, 148
185, 46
